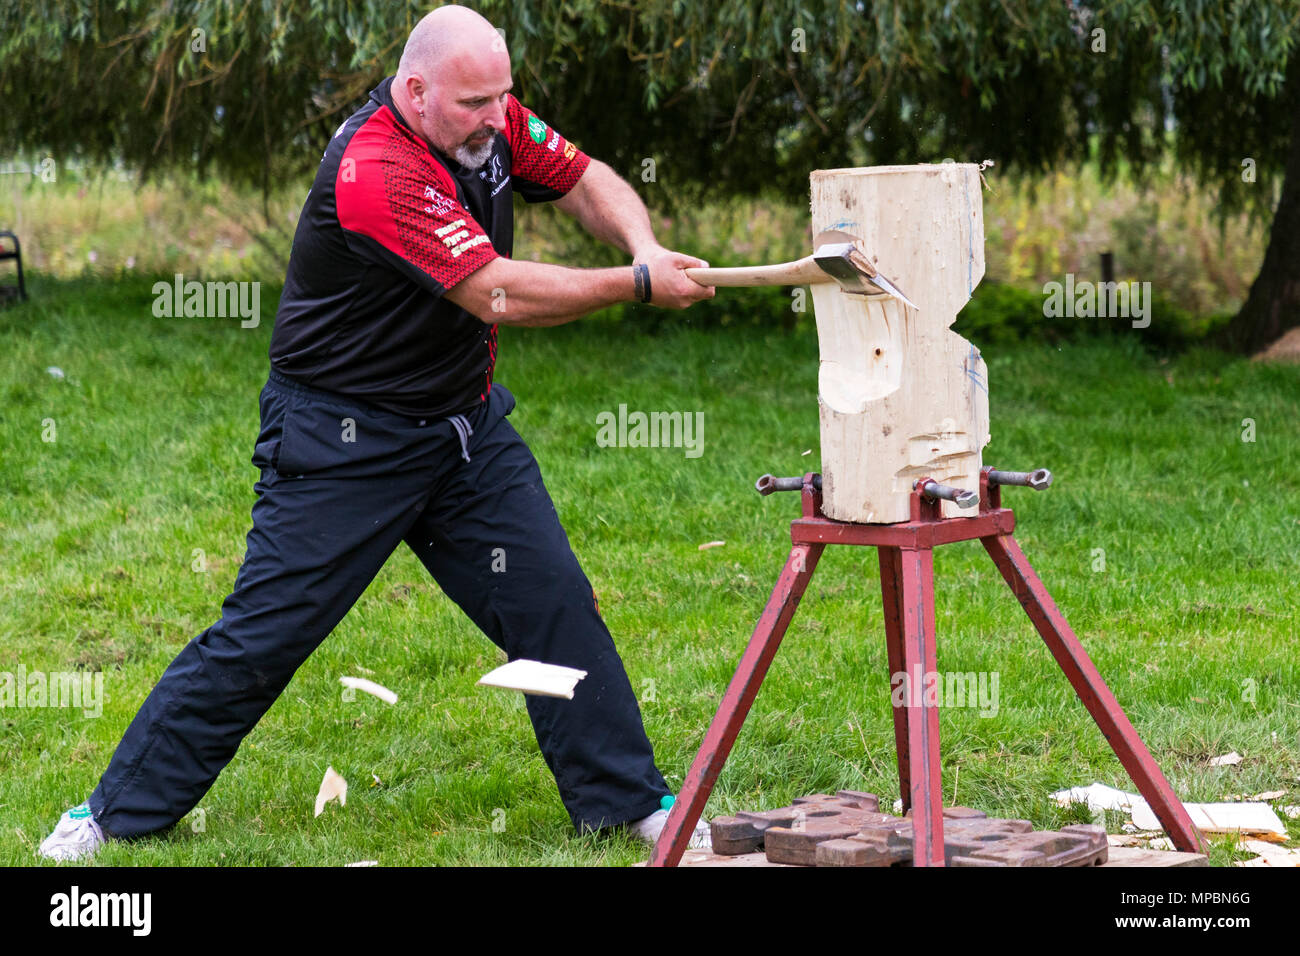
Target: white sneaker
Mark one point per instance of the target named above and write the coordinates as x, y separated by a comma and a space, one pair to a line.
649, 828
76, 837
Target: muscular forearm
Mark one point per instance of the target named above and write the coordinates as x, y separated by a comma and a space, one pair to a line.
609, 209
510, 292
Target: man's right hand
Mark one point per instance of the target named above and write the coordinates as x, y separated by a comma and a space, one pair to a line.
670, 287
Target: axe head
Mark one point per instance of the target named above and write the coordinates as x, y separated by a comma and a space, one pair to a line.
841, 257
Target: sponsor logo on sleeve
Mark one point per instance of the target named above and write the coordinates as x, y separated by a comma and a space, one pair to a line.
570, 151
456, 237
554, 141
537, 130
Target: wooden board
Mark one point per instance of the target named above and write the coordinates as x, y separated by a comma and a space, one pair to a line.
901, 396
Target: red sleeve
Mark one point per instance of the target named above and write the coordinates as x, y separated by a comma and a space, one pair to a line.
391, 192
544, 165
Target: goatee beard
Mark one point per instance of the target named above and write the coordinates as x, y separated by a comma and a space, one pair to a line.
474, 158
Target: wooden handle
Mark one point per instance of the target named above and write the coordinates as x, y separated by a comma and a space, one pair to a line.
799, 272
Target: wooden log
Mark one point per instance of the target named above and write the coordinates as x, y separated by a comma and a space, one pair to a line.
900, 394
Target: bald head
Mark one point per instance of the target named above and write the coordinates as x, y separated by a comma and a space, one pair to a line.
452, 83
446, 36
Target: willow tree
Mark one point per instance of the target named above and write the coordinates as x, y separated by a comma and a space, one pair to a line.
726, 95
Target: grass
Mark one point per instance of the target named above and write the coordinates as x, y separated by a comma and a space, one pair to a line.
1192, 620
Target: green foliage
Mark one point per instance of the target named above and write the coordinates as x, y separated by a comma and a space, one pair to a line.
1037, 230
1001, 315
726, 95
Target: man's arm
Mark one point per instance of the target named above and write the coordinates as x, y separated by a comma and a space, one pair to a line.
609, 209
518, 292
514, 292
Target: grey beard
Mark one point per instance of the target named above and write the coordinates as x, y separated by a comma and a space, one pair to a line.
474, 158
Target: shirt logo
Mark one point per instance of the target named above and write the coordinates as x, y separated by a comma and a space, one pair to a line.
452, 234
554, 141
494, 176
570, 151
536, 129
439, 205
493, 173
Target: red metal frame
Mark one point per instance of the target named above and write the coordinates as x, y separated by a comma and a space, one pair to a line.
907, 589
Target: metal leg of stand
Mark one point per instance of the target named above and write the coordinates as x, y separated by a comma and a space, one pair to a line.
1092, 690
891, 590
733, 710
919, 659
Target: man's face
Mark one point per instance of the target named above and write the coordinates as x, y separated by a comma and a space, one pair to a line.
465, 105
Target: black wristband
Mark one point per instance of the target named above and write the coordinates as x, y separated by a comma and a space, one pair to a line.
638, 285
645, 281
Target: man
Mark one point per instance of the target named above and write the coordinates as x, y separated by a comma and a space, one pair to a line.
381, 424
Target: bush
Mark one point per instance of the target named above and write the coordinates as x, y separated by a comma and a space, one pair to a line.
999, 314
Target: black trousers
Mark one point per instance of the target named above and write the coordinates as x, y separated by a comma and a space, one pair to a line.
342, 485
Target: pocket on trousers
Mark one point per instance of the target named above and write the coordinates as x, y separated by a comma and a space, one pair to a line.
289, 443
293, 457
317, 438
272, 407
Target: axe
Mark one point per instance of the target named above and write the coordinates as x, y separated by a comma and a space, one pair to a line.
837, 257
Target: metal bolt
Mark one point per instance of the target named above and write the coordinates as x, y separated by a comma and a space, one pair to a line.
770, 483
1039, 479
958, 496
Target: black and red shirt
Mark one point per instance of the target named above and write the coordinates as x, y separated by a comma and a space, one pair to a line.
390, 224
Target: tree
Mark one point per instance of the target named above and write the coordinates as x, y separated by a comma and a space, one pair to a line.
724, 94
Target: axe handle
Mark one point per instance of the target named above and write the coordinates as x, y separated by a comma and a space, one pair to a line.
799, 272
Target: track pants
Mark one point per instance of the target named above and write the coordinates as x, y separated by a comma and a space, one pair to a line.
342, 485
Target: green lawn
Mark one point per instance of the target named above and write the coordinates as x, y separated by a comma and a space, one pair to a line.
1192, 621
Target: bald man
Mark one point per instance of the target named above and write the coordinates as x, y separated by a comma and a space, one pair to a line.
381, 424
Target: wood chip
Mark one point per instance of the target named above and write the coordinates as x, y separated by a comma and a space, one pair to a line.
370, 687
535, 677
1097, 796
1269, 795
711, 544
332, 787
1125, 839
1270, 855
1227, 760
1255, 819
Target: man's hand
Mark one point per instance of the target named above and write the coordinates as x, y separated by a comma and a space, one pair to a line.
670, 287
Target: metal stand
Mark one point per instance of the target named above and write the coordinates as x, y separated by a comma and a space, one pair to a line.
906, 552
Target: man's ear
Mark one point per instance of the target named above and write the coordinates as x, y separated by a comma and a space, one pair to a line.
416, 92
